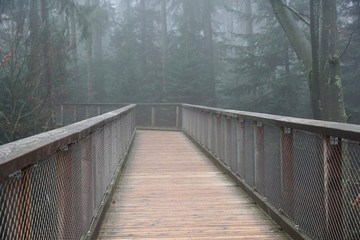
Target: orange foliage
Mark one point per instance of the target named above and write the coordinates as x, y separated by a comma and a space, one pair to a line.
356, 202
6, 59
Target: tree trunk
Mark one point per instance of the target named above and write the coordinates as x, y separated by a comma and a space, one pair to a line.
34, 55
332, 100
209, 51
249, 26
164, 46
143, 36
315, 72
98, 52
89, 66
73, 37
297, 37
47, 73
319, 56
99, 84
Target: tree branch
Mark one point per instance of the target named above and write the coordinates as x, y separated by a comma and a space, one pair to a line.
302, 17
298, 39
349, 41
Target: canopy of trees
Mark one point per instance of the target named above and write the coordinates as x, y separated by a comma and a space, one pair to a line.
295, 57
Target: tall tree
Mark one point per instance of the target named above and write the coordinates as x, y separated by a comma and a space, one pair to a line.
209, 50
319, 56
164, 46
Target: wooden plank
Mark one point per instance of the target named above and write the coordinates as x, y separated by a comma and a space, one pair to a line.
170, 190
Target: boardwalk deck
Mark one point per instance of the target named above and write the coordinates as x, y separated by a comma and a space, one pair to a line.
170, 190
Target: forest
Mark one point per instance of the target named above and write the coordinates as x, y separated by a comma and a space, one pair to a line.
296, 58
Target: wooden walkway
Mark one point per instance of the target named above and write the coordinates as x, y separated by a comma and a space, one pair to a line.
170, 190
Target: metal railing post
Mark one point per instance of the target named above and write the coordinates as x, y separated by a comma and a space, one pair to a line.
209, 130
217, 135
259, 156
227, 141
333, 188
177, 117
240, 138
153, 115
287, 169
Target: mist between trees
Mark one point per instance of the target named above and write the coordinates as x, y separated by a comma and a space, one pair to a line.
295, 57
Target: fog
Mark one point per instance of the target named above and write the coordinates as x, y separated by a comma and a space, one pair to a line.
297, 59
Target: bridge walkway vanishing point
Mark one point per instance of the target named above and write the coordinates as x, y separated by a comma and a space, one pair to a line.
171, 190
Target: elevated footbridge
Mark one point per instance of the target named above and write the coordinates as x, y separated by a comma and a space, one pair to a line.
178, 171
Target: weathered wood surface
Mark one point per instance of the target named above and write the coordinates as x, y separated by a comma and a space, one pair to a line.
170, 190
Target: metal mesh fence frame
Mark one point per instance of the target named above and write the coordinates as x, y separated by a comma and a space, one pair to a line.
311, 178
59, 197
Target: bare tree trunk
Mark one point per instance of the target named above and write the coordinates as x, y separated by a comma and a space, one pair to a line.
209, 50
89, 66
73, 37
143, 36
319, 56
297, 37
164, 46
47, 76
98, 51
249, 26
99, 84
332, 100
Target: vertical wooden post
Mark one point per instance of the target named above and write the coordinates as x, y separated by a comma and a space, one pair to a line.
259, 156
191, 121
177, 116
198, 126
190, 116
185, 119
62, 115
153, 116
98, 110
204, 129
217, 135
287, 170
74, 113
227, 138
333, 188
209, 140
201, 127
240, 138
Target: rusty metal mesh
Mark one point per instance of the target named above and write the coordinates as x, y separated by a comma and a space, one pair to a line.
60, 196
313, 180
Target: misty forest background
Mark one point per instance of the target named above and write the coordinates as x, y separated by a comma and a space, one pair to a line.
225, 53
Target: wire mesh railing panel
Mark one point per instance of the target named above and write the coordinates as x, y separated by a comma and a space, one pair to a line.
351, 188
99, 174
272, 190
249, 153
308, 184
60, 196
233, 142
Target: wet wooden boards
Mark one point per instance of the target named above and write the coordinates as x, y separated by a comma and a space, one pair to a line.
170, 190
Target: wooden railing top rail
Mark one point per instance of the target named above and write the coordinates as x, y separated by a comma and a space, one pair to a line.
22, 153
341, 130
118, 104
